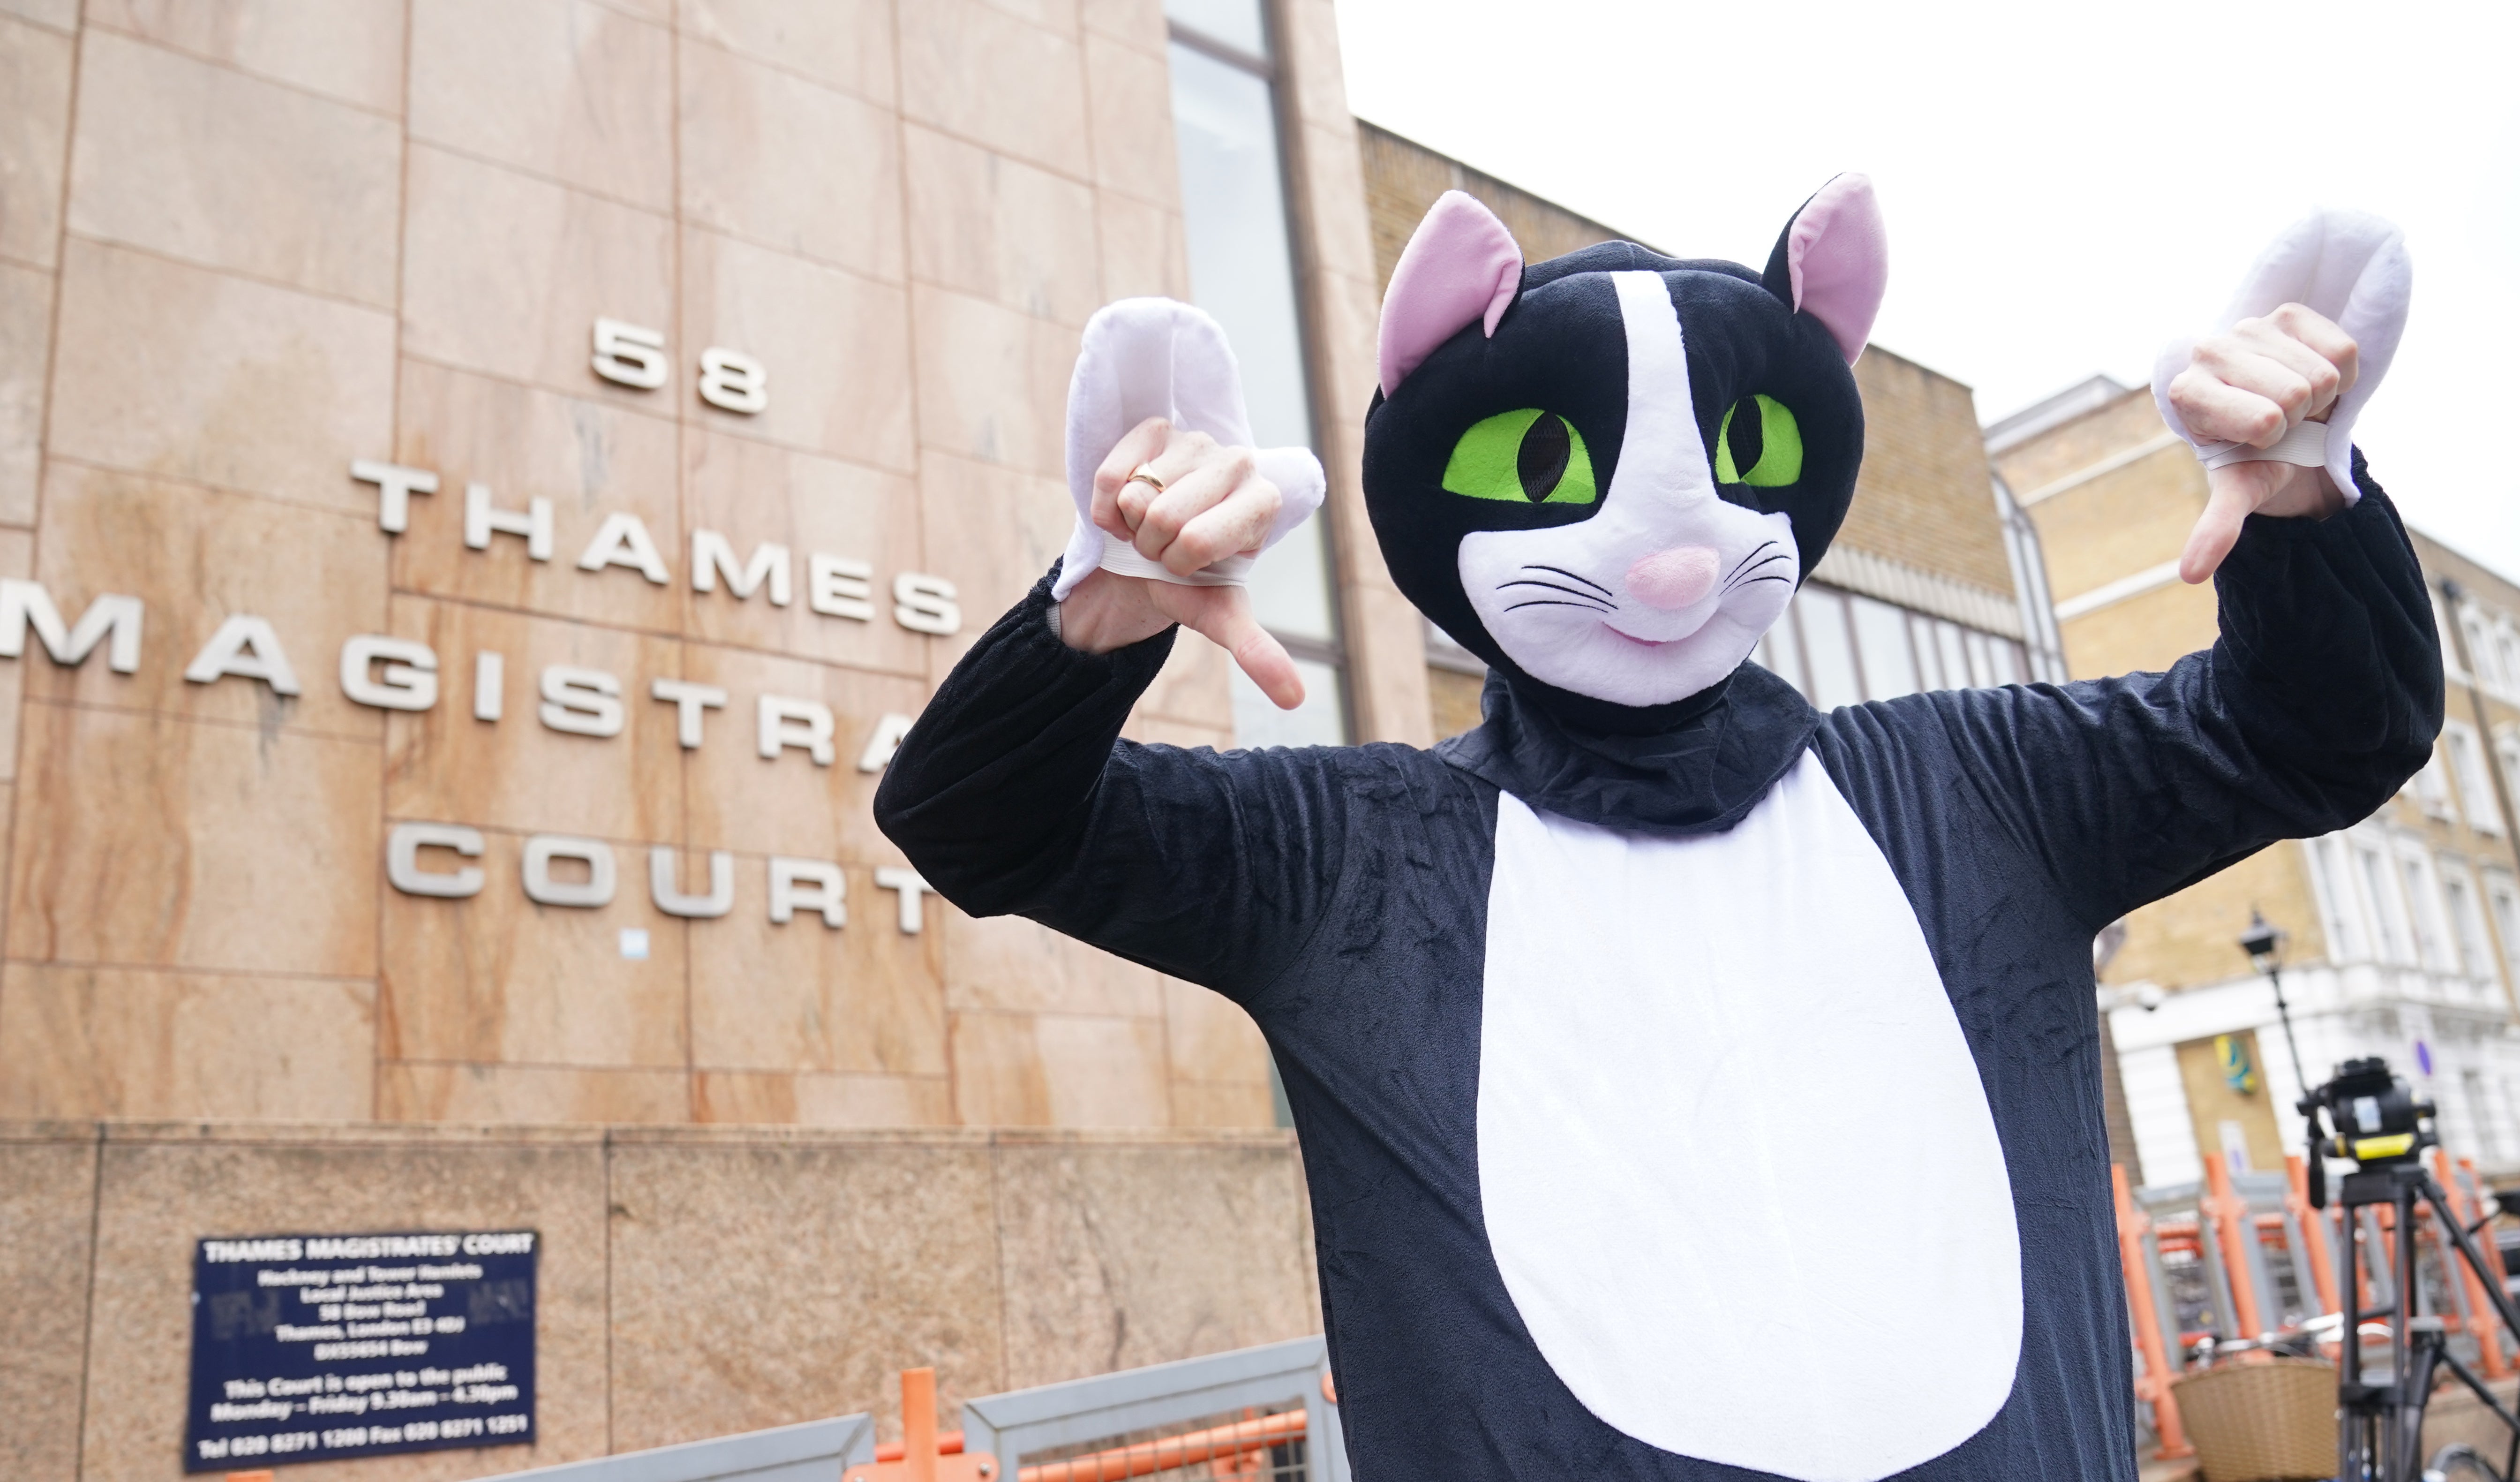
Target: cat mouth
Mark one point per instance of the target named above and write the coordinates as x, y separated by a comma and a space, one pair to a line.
1648, 643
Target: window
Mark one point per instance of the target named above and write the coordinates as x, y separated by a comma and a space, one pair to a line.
2332, 880
2430, 787
2375, 879
1242, 272
2505, 898
1881, 639
2466, 923
2423, 911
2475, 789
1841, 648
2479, 1115
2507, 750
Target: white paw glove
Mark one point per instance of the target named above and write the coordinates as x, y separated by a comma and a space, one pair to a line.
1155, 357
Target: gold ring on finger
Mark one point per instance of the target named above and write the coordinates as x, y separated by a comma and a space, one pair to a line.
1145, 474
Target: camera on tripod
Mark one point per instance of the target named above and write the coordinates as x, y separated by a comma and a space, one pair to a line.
2377, 1119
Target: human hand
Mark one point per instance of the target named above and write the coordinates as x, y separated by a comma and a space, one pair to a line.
1212, 503
2253, 382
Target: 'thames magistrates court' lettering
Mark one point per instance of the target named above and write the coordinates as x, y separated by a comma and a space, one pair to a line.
394, 673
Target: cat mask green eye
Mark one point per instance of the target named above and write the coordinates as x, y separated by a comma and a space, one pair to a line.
1764, 450
1528, 456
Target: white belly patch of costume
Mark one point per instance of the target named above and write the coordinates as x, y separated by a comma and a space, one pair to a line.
1698, 1057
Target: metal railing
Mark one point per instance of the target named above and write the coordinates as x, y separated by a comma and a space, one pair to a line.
814, 1450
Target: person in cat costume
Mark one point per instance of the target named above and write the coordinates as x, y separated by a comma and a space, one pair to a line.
1689, 1084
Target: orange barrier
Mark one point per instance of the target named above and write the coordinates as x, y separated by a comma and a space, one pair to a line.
2154, 1387
2227, 1212
921, 1455
1238, 1442
2482, 1323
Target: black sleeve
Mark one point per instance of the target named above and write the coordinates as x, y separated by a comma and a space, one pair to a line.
2322, 695
1014, 794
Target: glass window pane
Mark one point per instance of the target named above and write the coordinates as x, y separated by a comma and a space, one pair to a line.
1235, 22
1827, 649
1889, 669
1290, 585
1980, 665
1929, 667
2007, 656
1955, 669
1234, 208
1784, 656
1321, 721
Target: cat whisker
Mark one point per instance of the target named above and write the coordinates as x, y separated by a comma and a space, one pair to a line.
1765, 546
1570, 576
1553, 602
1605, 604
1747, 581
1739, 575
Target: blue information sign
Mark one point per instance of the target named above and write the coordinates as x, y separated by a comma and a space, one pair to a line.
315, 1348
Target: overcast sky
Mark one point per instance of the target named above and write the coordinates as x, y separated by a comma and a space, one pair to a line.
2063, 195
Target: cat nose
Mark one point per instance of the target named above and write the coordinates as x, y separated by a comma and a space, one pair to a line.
1675, 578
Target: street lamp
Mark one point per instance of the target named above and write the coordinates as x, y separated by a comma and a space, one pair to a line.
2265, 945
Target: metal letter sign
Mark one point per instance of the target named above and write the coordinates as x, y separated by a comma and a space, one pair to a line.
313, 1348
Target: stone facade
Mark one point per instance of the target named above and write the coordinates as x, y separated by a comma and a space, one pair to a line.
2414, 962
695, 1282
249, 245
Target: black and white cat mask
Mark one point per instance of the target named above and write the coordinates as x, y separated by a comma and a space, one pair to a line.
1607, 474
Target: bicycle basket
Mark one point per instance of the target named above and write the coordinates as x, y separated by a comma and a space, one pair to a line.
2261, 1422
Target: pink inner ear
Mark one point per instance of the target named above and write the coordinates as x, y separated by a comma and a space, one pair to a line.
1460, 266
1840, 258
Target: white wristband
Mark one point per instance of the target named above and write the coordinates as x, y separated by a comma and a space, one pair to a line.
1120, 558
2304, 446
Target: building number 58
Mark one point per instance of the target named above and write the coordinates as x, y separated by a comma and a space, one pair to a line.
630, 355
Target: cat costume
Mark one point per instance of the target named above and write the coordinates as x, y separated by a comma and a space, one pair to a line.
1604, 1024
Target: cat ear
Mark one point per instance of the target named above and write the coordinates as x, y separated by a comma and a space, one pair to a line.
1833, 260
1461, 266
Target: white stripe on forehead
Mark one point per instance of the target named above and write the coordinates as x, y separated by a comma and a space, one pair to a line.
1660, 458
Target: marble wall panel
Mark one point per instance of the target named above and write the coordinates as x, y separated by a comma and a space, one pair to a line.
1059, 1070
1144, 251
60, 15
26, 344
168, 369
790, 164
197, 557
754, 494
846, 44
816, 1099
202, 163
1146, 1253
16, 559
530, 1094
517, 772
1054, 16
992, 382
1012, 965
350, 52
805, 995
1191, 686
825, 1266
47, 1177
591, 457
160, 1190
34, 138
91, 1041
1001, 230
1223, 1105
146, 840
993, 531
506, 274
568, 90
997, 80
1209, 1038
1138, 23
742, 800
498, 977
1129, 97
837, 348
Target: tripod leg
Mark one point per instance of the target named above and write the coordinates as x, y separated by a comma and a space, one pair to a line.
2406, 1443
